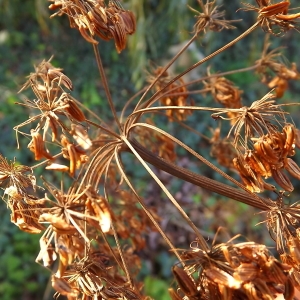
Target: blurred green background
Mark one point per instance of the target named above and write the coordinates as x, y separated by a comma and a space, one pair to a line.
27, 36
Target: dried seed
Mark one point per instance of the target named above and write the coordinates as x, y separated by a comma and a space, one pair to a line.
292, 167
246, 272
73, 109
219, 276
282, 180
275, 9
185, 282
63, 287
274, 272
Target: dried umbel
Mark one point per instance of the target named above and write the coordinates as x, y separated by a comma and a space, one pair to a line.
222, 149
283, 221
226, 93
57, 111
259, 118
95, 18
269, 159
211, 18
46, 75
272, 61
234, 271
274, 18
24, 211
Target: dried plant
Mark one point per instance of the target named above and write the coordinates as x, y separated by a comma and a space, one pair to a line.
96, 223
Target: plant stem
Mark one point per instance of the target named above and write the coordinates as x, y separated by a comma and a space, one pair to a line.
106, 87
199, 180
154, 97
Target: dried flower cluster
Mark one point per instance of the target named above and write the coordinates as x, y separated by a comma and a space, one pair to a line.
269, 159
96, 224
95, 18
233, 271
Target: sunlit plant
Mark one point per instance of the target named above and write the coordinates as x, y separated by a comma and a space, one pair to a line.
94, 224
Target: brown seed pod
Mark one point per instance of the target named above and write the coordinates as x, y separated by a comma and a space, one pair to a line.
185, 282
292, 167
73, 109
282, 180
63, 287
219, 276
289, 133
274, 9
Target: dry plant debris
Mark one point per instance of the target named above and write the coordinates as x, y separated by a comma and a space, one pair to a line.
97, 222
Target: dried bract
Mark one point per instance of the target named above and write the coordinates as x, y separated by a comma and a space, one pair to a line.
211, 18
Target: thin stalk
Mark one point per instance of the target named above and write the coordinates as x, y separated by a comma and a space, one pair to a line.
103, 128
249, 30
201, 240
125, 266
165, 69
147, 212
106, 87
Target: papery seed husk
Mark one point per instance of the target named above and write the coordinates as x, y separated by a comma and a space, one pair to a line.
3, 176
53, 127
219, 276
282, 180
81, 136
57, 222
74, 110
86, 36
294, 247
292, 167
62, 78
226, 292
262, 286
269, 154
274, 272
274, 9
297, 137
295, 277
62, 286
184, 281
246, 272
84, 287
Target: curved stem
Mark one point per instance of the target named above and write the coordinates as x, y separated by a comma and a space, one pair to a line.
143, 205
200, 180
201, 240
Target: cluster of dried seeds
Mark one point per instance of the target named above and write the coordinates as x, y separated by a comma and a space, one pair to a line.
232, 271
95, 18
269, 158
